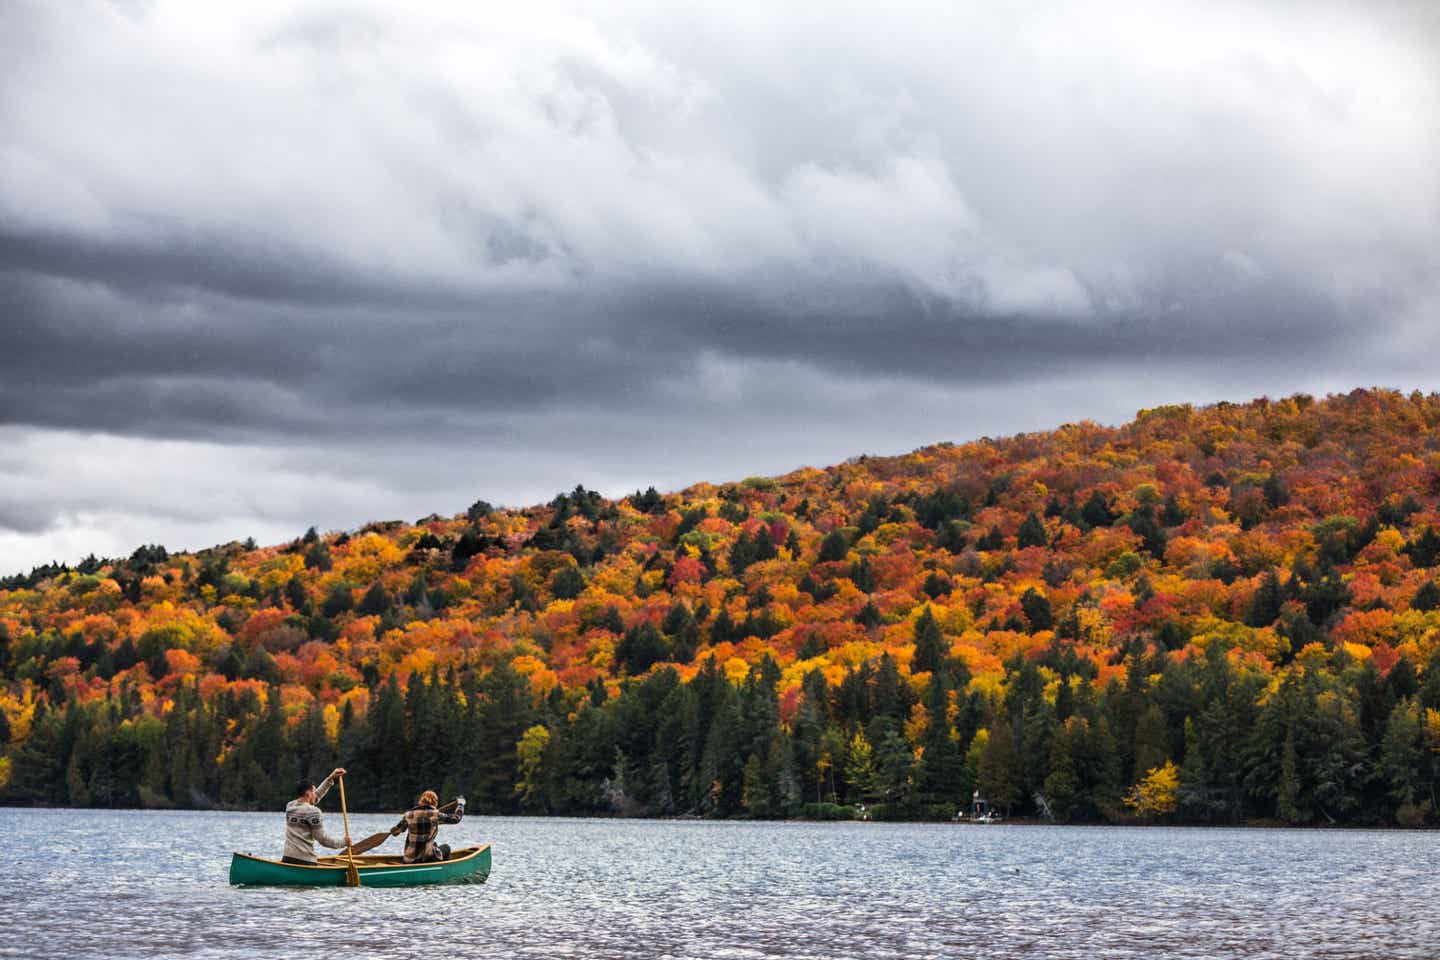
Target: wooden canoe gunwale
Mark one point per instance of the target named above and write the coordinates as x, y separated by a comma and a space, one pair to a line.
466, 863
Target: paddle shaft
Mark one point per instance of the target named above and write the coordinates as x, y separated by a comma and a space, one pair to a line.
352, 876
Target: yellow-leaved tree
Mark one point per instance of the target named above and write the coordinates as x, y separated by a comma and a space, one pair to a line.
1157, 793
530, 761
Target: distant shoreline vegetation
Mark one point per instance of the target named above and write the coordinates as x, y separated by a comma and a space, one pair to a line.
1211, 615
1129, 824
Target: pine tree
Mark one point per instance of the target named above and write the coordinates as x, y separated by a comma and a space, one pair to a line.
894, 767
940, 772
1403, 760
376, 601
937, 586
834, 547
684, 633
860, 770
641, 648
1037, 610
862, 575
1097, 512
297, 596
993, 540
1427, 598
1031, 532
1062, 783
742, 553
1151, 746
1288, 799
567, 583
999, 774
930, 648
1266, 603
756, 787
383, 767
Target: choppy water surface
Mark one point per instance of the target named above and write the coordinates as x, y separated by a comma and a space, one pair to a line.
143, 884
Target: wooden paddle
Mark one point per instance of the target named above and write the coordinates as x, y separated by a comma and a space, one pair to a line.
375, 839
352, 875
371, 842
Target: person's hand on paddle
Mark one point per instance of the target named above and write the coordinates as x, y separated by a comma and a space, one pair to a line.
338, 772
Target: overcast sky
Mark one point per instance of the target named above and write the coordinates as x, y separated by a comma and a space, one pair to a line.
268, 265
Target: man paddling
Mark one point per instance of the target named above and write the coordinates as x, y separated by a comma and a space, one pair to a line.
303, 824
421, 826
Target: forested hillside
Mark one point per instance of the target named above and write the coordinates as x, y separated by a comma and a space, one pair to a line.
1206, 615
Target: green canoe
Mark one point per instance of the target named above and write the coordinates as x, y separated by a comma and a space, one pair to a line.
466, 865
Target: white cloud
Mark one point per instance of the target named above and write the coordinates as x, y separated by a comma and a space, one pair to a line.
288, 186
464, 146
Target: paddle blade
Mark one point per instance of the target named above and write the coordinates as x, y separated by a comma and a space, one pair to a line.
370, 843
352, 876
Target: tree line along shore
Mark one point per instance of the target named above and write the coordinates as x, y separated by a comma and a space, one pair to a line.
1219, 614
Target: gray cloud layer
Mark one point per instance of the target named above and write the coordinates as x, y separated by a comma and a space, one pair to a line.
425, 256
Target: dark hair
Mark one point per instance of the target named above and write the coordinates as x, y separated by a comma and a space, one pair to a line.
302, 786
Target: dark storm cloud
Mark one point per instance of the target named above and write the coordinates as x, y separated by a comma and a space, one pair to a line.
576, 244
24, 518
202, 366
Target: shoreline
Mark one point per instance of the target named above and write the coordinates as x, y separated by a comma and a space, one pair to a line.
1012, 822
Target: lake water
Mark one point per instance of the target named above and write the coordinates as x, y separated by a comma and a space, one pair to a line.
154, 884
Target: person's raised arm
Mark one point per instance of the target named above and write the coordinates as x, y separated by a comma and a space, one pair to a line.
327, 783
456, 815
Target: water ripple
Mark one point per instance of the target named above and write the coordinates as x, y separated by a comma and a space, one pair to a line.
152, 884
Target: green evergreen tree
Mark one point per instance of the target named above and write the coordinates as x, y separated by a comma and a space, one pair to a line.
1062, 788
1288, 794
1404, 762
642, 647
1265, 605
939, 776
931, 651
1151, 741
375, 603
860, 776
1000, 776
894, 767
834, 547
567, 583
1032, 532
1037, 610
297, 596
1097, 512
1427, 598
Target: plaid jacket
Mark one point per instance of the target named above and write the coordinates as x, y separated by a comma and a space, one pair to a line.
423, 823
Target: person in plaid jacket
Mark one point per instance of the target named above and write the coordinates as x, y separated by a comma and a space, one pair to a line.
422, 824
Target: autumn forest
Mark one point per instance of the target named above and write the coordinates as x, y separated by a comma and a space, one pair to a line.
1208, 615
